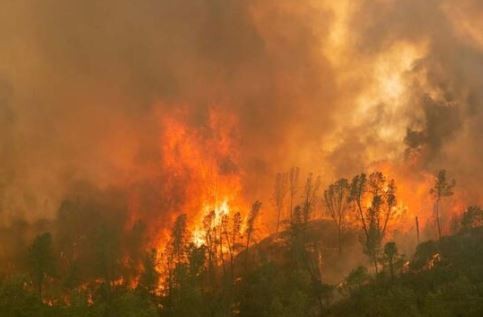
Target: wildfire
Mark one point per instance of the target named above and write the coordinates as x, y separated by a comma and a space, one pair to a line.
202, 176
414, 199
202, 164
219, 211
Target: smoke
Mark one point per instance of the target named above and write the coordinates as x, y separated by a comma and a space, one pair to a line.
443, 101
86, 87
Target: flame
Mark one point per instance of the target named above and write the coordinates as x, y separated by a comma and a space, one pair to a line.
219, 211
414, 199
201, 165
435, 259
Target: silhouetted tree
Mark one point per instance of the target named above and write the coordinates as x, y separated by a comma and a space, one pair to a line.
358, 190
186, 295
41, 260
176, 251
134, 242
210, 244
293, 180
232, 233
336, 200
442, 188
107, 254
178, 238
374, 219
250, 225
149, 279
279, 194
310, 196
390, 253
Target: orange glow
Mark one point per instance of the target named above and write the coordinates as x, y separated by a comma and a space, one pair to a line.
414, 199
202, 164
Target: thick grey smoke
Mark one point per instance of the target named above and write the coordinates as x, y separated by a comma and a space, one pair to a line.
83, 84
84, 79
444, 106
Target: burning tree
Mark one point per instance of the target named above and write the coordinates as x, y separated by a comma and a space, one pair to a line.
149, 278
310, 194
232, 233
250, 225
336, 200
293, 179
442, 188
252, 217
176, 251
210, 242
375, 199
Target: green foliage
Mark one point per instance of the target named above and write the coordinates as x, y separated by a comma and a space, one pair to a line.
132, 304
356, 279
267, 291
445, 279
110, 271
17, 300
392, 261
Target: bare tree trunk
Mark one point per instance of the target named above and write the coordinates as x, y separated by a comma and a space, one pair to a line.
230, 251
375, 263
386, 220
417, 229
391, 268
39, 289
363, 221
222, 254
247, 247
339, 239
437, 219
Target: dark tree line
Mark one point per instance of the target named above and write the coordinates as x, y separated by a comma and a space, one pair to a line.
98, 267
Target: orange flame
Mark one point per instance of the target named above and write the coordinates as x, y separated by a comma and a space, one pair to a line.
202, 164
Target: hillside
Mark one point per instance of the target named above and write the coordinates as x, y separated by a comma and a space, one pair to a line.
322, 235
444, 278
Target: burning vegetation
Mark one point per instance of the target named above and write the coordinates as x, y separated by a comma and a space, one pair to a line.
241, 158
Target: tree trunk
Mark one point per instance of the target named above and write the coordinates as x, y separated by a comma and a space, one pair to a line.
246, 250
339, 239
39, 289
417, 230
222, 254
437, 219
391, 268
375, 263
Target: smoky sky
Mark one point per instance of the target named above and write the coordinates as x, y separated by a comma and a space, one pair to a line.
445, 102
84, 83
